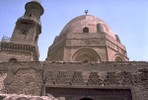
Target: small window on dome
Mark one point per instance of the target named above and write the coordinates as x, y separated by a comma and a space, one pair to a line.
85, 30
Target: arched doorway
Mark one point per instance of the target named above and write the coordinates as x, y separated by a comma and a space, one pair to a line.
86, 99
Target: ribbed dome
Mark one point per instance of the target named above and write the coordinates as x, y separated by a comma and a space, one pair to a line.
94, 24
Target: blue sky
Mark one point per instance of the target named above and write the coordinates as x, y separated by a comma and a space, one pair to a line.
127, 18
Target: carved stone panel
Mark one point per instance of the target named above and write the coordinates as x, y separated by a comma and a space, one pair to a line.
49, 77
78, 78
62, 78
143, 75
125, 78
94, 79
140, 78
111, 79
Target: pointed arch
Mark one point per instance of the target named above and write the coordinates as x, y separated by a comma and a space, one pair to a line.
86, 55
118, 58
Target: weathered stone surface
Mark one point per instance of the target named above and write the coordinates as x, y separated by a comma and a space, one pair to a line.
35, 77
49, 77
95, 76
24, 78
27, 97
62, 78
94, 79
78, 78
143, 76
3, 75
111, 79
125, 78
27, 81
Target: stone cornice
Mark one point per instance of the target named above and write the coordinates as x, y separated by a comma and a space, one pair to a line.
17, 48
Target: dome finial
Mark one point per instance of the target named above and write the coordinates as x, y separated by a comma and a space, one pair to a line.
86, 11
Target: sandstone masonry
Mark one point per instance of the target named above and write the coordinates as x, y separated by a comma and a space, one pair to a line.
43, 78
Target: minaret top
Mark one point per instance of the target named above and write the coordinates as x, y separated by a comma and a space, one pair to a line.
34, 5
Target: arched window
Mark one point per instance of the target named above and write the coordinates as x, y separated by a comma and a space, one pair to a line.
85, 30
13, 60
99, 28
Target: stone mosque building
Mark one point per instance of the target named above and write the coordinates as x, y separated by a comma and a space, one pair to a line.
87, 61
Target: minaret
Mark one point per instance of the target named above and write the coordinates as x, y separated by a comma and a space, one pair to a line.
23, 45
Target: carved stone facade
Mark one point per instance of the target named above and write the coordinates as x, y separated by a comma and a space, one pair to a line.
94, 79
62, 78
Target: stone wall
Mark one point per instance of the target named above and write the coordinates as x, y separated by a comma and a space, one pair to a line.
33, 78
24, 78
127, 75
3, 75
27, 97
